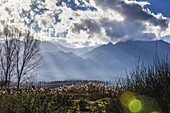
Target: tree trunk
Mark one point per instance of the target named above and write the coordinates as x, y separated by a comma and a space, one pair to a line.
6, 81
18, 83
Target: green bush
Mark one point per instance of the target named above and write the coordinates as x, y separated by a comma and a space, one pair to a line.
152, 81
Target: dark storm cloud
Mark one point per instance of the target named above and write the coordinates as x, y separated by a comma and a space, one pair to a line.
131, 28
125, 29
88, 25
131, 12
116, 30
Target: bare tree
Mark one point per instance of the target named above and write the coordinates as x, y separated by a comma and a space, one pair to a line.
27, 57
19, 55
8, 54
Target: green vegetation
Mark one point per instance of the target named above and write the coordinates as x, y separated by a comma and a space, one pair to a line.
145, 90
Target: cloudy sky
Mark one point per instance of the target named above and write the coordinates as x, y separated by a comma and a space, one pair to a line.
84, 23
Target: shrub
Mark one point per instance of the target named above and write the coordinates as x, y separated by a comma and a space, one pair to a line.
152, 81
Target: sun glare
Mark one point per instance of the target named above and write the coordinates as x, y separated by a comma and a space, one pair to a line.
127, 97
135, 106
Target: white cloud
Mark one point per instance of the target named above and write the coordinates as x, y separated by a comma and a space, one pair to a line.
119, 21
10, 13
50, 4
45, 20
141, 3
114, 20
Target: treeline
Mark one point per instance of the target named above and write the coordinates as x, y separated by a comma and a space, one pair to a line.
19, 56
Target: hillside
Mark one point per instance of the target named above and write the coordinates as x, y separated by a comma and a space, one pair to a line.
104, 62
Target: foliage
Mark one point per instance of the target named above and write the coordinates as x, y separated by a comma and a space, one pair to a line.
147, 86
64, 99
152, 81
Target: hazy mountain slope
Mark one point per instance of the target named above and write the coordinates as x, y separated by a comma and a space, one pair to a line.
52, 46
115, 58
77, 51
46, 46
103, 62
52, 64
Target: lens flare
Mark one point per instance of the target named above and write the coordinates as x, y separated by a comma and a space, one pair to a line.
135, 106
149, 105
126, 98
135, 103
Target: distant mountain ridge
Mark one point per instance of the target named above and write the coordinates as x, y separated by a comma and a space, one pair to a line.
47, 46
101, 63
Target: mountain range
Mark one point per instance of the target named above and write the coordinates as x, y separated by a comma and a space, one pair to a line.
52, 46
100, 63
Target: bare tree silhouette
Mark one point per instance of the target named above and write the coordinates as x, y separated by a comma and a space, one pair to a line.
19, 55
8, 55
27, 57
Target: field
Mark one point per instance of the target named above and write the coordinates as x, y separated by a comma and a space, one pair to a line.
145, 90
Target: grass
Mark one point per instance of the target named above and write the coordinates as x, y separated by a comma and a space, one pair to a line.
145, 90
